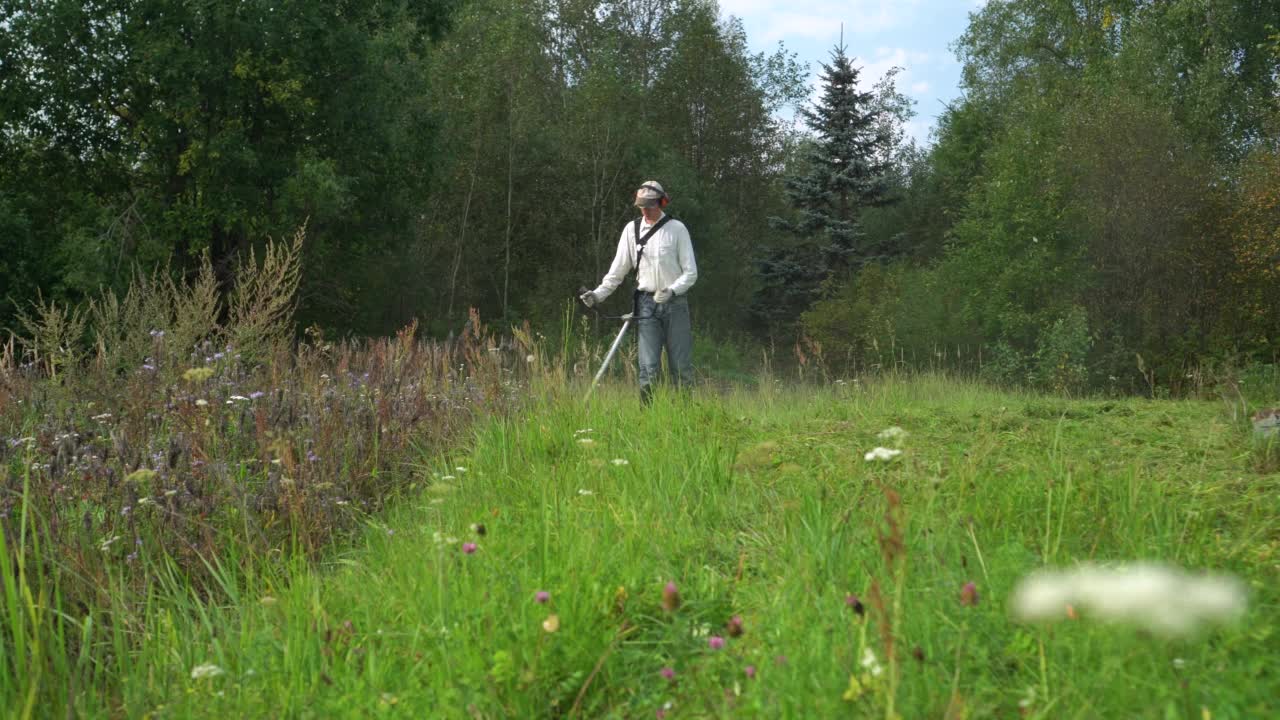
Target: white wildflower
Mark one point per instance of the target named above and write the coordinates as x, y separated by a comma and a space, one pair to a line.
621, 461
1161, 599
103, 416
529, 359
1028, 698
586, 441
448, 477
239, 398
583, 431
585, 492
882, 453
460, 469
870, 663
208, 670
202, 402
892, 433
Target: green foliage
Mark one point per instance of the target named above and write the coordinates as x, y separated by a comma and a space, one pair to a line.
260, 312
152, 130
54, 335
1062, 353
1088, 198
1114, 158
855, 320
552, 115
844, 168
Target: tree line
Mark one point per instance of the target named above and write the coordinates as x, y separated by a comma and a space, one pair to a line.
443, 155
1101, 207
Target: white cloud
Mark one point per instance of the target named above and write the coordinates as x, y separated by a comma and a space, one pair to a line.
920, 88
886, 59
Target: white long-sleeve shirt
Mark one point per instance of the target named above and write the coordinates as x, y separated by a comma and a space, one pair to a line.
667, 262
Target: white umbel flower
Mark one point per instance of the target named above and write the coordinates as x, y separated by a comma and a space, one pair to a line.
1164, 600
207, 670
870, 663
892, 433
882, 453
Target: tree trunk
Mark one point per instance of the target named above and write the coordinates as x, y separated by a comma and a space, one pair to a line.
511, 162
462, 236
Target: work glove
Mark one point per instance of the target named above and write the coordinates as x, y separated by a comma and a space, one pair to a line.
589, 298
662, 295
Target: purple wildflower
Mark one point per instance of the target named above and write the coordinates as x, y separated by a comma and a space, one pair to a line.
670, 597
750, 670
148, 367
256, 394
969, 594
311, 456
668, 673
542, 597
734, 626
470, 548
715, 642
855, 604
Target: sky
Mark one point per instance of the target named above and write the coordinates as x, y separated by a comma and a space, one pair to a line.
879, 34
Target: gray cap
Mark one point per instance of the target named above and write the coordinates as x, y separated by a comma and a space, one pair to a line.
649, 194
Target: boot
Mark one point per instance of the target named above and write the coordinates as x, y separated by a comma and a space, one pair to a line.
646, 395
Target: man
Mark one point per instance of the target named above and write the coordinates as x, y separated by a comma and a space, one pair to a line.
658, 248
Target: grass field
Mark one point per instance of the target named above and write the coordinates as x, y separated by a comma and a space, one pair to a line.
811, 581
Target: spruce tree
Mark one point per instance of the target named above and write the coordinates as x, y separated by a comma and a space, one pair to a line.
844, 170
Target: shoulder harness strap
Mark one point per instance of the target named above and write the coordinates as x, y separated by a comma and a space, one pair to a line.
642, 241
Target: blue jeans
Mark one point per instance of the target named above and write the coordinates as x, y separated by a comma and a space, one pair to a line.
664, 325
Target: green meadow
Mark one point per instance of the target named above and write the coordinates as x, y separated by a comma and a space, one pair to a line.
729, 553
